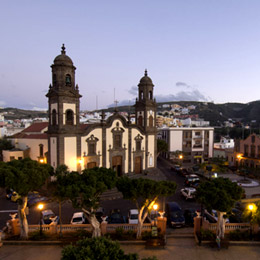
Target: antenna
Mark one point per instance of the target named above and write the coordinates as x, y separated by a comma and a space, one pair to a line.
115, 101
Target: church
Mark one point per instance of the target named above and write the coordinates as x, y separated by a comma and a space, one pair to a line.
112, 143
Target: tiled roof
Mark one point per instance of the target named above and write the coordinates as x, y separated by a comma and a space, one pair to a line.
36, 127
29, 136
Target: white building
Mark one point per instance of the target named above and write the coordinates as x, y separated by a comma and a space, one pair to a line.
195, 144
225, 143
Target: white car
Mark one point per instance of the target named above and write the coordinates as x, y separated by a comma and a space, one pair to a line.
77, 218
133, 216
188, 193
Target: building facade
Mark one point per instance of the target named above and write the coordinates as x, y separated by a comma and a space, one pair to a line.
111, 143
247, 152
195, 144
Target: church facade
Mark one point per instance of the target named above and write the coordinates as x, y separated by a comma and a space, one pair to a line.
113, 143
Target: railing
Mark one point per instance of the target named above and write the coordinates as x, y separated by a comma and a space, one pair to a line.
126, 227
230, 226
110, 228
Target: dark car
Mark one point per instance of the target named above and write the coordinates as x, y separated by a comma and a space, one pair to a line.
192, 180
116, 217
177, 168
174, 214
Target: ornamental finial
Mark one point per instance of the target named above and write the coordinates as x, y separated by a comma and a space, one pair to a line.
63, 49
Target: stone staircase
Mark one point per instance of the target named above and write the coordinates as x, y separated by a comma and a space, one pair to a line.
180, 233
111, 195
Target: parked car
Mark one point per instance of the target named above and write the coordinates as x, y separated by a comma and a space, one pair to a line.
212, 216
133, 216
235, 216
176, 168
15, 197
99, 214
188, 193
189, 215
116, 217
48, 217
174, 214
192, 180
78, 218
9, 193
34, 199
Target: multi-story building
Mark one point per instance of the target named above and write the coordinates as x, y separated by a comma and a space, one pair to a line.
247, 152
195, 144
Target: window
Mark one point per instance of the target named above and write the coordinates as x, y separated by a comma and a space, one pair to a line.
117, 141
12, 158
20, 158
54, 79
138, 142
197, 133
140, 120
150, 95
69, 117
138, 145
92, 145
41, 150
151, 121
246, 150
141, 95
252, 138
54, 117
206, 134
68, 80
252, 154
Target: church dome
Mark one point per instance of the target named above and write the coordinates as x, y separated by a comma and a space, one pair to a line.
63, 59
145, 79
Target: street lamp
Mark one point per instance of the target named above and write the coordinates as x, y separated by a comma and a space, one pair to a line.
40, 207
251, 208
155, 207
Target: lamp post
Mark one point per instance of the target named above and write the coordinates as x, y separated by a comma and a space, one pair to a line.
40, 207
155, 207
251, 208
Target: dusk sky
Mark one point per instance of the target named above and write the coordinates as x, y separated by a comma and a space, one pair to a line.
199, 50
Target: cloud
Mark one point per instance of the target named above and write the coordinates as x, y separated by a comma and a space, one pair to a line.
123, 103
193, 95
182, 84
133, 91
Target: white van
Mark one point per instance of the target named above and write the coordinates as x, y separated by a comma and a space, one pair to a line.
133, 216
78, 218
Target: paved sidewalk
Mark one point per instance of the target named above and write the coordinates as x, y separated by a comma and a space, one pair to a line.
176, 248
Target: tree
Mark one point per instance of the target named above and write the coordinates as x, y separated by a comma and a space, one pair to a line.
84, 190
144, 193
4, 145
162, 146
219, 194
99, 249
56, 192
23, 176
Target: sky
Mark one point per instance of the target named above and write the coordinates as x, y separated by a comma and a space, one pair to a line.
199, 50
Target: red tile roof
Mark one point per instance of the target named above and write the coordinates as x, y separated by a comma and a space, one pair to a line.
29, 136
36, 127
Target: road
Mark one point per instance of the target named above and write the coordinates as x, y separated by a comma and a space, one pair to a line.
8, 207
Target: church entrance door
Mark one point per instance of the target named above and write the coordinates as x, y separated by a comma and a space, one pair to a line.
117, 165
91, 165
138, 164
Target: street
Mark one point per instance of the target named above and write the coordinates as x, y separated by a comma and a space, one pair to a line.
67, 211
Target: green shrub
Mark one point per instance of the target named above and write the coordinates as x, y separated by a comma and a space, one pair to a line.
146, 235
238, 235
35, 235
207, 234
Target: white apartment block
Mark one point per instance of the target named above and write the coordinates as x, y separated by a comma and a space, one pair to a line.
195, 143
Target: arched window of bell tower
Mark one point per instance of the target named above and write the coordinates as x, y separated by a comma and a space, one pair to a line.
151, 121
140, 120
68, 80
54, 117
54, 79
69, 117
141, 95
150, 95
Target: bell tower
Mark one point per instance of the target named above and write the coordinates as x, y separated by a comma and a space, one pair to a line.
145, 118
145, 106
64, 100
